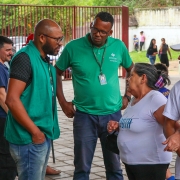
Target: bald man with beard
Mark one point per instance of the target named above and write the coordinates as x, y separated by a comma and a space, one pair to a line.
31, 98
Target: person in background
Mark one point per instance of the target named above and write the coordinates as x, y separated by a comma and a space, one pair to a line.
140, 134
163, 89
142, 40
136, 43
29, 38
172, 114
95, 60
7, 165
165, 92
152, 51
164, 49
31, 99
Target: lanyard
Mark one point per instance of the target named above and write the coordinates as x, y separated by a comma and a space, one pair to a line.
100, 64
51, 80
52, 88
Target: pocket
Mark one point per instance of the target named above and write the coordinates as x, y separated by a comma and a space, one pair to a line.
39, 148
39, 144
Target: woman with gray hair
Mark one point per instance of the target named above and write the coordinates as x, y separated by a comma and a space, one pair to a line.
140, 134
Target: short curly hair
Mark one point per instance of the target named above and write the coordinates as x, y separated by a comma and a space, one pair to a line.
106, 17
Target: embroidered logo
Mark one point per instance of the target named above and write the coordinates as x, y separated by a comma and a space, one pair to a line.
113, 58
112, 54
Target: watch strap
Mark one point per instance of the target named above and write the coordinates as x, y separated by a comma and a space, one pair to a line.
128, 97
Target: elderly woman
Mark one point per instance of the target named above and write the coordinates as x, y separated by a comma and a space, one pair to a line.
140, 134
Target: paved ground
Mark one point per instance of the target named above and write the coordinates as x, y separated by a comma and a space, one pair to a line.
64, 145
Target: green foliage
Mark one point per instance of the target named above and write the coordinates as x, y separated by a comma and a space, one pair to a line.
49, 2
141, 56
34, 2
132, 4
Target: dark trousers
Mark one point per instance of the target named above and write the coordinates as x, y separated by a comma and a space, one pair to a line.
87, 129
136, 47
7, 165
141, 45
164, 59
146, 172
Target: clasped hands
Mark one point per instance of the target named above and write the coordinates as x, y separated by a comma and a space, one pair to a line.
112, 126
173, 143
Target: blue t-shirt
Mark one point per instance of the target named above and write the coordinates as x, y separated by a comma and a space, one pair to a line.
136, 40
164, 91
4, 76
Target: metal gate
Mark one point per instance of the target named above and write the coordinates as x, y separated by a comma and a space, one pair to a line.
18, 21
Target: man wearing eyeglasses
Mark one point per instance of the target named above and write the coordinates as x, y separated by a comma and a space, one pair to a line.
94, 60
32, 119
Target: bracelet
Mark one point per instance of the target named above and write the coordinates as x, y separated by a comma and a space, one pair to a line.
128, 97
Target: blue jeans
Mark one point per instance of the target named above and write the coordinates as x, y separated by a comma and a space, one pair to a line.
31, 159
152, 59
87, 129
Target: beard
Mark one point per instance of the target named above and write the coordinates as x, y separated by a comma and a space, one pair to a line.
47, 48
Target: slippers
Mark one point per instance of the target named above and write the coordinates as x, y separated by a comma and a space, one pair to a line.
51, 171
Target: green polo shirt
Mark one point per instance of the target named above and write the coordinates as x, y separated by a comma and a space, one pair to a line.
89, 95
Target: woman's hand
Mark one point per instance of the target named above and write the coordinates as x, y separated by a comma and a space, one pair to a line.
112, 126
155, 53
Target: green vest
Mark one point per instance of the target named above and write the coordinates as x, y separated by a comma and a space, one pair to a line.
37, 100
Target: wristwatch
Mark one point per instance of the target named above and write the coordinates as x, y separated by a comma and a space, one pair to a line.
128, 97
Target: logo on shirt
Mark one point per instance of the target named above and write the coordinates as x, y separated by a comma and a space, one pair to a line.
112, 54
113, 58
125, 123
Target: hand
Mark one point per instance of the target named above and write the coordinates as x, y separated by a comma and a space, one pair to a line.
38, 138
172, 142
68, 109
124, 102
112, 126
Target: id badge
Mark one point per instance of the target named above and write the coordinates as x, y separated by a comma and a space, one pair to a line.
102, 79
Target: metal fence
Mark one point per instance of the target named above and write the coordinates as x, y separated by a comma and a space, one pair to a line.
18, 21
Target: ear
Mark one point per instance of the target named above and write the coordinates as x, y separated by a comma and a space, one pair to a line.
91, 25
110, 32
42, 39
143, 79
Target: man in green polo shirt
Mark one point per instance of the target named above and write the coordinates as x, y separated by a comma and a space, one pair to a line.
94, 60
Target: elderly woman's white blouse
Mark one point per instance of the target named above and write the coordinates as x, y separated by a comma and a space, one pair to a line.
140, 137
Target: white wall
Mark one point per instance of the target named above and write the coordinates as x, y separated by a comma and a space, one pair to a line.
157, 23
171, 34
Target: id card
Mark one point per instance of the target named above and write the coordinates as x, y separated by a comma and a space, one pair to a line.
102, 79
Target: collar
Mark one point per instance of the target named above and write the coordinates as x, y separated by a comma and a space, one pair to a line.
4, 66
46, 59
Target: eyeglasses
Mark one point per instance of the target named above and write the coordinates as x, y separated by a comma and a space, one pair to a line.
58, 40
101, 32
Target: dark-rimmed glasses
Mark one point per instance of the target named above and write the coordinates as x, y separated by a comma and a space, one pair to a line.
101, 32
58, 40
